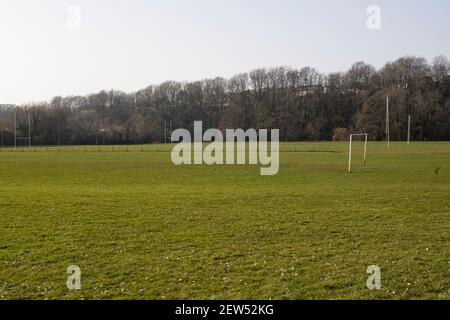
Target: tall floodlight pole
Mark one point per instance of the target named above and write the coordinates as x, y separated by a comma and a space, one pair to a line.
59, 135
387, 123
15, 128
29, 129
365, 149
350, 155
409, 128
165, 131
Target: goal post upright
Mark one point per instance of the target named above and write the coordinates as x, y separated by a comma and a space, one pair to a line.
350, 154
365, 149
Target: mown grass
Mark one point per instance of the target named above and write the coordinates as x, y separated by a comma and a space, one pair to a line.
141, 228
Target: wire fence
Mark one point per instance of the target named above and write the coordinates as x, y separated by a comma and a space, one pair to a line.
90, 148
284, 147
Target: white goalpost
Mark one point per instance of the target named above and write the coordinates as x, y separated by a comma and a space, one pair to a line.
350, 149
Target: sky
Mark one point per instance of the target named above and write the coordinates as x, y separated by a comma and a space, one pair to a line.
58, 48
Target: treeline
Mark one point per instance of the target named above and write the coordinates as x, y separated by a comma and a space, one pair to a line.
304, 104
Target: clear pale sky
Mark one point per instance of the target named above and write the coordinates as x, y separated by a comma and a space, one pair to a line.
130, 44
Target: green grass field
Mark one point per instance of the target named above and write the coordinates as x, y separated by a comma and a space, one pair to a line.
141, 228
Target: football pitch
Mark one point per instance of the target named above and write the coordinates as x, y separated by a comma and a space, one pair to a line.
140, 227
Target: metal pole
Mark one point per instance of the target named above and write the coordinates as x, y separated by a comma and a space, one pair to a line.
96, 137
350, 155
59, 138
365, 150
2, 136
387, 123
409, 129
15, 128
165, 133
29, 130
